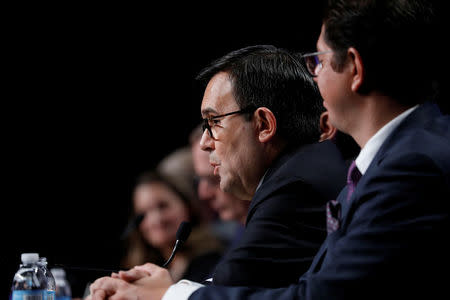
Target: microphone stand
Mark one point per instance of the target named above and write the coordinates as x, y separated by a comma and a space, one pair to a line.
175, 248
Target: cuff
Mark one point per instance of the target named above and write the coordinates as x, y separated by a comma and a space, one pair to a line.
181, 290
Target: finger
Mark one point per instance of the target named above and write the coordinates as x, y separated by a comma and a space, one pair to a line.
133, 275
99, 295
155, 270
94, 286
107, 285
149, 268
115, 275
124, 296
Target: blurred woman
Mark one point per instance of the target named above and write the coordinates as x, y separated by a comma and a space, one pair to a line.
162, 207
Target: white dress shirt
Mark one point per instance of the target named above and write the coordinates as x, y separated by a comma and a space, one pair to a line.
372, 146
181, 290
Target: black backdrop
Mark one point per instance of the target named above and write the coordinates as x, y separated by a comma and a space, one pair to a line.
95, 95
92, 96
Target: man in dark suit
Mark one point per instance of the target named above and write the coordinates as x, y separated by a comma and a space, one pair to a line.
388, 228
262, 156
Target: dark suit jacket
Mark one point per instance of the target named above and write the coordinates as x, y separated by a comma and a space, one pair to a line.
393, 238
286, 221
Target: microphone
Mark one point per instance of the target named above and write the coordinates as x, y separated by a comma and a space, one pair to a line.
183, 233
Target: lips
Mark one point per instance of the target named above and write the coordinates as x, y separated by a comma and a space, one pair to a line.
216, 168
215, 162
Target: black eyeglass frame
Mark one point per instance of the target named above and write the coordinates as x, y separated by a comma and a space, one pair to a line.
206, 120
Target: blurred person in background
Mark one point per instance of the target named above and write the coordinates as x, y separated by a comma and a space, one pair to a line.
161, 207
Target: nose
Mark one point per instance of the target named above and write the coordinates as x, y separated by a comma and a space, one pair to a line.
150, 219
206, 142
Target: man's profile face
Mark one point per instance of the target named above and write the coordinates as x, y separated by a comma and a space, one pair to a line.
226, 205
230, 150
334, 87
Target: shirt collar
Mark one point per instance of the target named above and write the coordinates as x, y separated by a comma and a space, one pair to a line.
261, 181
372, 146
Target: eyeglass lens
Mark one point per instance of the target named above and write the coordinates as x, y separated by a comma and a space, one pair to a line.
206, 126
311, 63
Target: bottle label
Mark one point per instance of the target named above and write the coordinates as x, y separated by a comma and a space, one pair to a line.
29, 295
50, 295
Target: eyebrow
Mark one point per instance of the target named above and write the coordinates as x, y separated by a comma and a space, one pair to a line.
208, 110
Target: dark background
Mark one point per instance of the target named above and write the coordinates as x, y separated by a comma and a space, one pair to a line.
95, 95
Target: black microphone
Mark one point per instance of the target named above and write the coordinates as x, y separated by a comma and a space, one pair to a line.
182, 234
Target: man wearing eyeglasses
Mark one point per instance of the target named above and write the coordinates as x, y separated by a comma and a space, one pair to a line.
252, 99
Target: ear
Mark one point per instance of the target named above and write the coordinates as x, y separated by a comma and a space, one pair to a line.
328, 131
357, 69
266, 124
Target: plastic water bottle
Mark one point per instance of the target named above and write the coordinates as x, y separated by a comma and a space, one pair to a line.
51, 284
63, 291
29, 282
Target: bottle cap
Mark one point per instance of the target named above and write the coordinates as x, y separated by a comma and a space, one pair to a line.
43, 261
58, 272
29, 258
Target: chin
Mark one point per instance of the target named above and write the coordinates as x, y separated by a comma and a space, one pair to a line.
158, 241
223, 184
226, 217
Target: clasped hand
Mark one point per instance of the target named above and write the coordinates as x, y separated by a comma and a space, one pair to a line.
147, 281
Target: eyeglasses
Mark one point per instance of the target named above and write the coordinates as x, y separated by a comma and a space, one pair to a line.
209, 123
313, 63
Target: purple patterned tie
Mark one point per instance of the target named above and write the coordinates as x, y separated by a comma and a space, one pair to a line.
353, 176
334, 207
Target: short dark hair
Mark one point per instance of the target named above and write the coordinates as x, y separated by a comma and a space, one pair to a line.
267, 76
395, 38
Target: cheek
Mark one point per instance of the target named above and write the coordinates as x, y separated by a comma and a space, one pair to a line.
235, 154
325, 85
329, 88
146, 231
177, 215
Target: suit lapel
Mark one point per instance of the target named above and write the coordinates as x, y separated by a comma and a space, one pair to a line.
417, 119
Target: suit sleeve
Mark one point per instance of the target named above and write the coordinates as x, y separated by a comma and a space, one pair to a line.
280, 240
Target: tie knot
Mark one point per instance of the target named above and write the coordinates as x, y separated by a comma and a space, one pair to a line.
354, 175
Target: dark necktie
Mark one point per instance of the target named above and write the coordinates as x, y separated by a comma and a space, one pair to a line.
353, 176
334, 207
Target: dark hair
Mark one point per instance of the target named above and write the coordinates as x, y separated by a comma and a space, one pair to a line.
266, 76
395, 38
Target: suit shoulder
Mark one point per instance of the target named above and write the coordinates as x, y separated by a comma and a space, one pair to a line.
314, 159
430, 143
